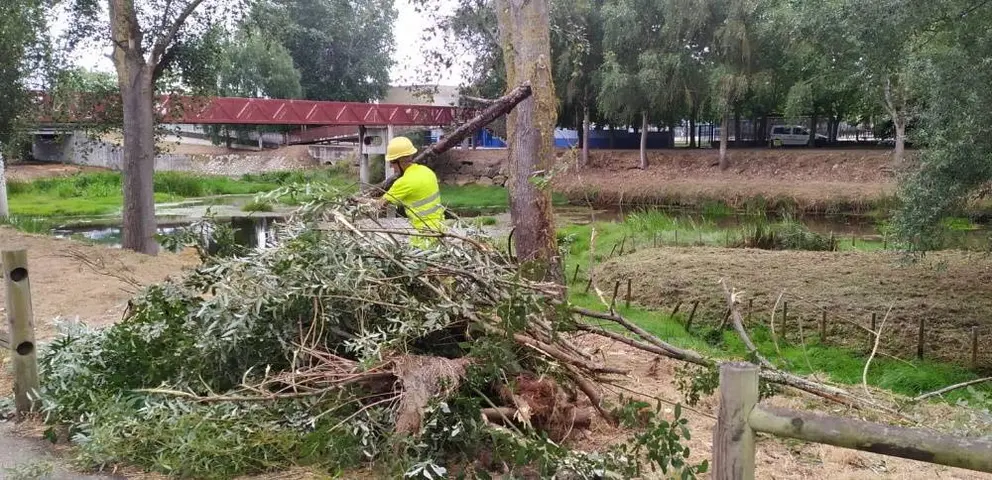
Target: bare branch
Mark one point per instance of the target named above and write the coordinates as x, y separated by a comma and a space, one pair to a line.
878, 337
952, 387
163, 41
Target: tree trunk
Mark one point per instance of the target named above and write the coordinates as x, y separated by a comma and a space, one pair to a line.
524, 27
4, 209
813, 120
135, 79
737, 129
585, 137
644, 141
900, 124
138, 232
724, 126
692, 129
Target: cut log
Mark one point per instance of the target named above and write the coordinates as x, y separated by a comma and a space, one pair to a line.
496, 109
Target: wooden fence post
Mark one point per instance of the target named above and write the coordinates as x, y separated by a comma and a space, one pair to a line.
920, 341
692, 313
627, 302
823, 327
733, 439
974, 347
785, 322
21, 323
616, 290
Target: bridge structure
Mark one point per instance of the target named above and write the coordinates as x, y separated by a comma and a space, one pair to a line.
370, 125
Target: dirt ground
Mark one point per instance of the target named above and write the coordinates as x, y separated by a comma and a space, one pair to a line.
26, 172
949, 290
776, 458
814, 179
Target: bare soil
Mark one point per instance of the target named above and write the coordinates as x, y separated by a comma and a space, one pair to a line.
26, 172
72, 279
812, 179
949, 290
776, 458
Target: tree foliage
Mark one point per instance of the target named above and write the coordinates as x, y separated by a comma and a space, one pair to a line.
341, 48
21, 51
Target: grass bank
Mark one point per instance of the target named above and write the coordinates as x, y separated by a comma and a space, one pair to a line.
89, 194
659, 286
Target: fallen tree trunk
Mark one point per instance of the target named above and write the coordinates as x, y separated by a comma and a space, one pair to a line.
496, 109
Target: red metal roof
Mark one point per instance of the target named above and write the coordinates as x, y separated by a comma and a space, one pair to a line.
261, 111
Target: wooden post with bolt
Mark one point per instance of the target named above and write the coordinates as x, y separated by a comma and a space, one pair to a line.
733, 439
20, 320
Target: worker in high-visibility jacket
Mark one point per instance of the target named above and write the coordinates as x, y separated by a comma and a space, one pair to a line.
416, 190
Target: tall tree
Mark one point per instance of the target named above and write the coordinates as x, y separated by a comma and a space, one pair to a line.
577, 47
21, 25
524, 27
949, 69
148, 39
638, 69
342, 48
885, 33
733, 45
253, 63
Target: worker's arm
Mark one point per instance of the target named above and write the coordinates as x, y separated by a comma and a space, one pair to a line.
398, 193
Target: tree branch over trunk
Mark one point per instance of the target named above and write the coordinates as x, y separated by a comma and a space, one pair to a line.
162, 42
501, 106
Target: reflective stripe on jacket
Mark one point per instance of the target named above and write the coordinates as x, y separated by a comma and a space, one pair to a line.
417, 190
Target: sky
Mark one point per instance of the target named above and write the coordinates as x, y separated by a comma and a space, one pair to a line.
407, 56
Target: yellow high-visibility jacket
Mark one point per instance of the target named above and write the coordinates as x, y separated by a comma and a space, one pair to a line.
417, 190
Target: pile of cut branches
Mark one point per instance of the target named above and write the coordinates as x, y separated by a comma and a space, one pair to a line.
342, 330
345, 325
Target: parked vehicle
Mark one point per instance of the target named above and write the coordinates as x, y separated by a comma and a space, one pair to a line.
792, 135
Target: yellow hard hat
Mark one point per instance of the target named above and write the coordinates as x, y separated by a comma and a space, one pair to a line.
399, 147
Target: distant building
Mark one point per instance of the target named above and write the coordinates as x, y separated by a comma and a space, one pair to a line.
440, 95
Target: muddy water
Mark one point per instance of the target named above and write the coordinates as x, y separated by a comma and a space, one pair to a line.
253, 228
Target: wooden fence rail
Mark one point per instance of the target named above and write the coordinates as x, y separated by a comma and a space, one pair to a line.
20, 321
741, 416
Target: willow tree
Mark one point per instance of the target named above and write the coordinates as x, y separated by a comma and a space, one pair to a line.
148, 39
577, 45
633, 84
21, 26
733, 42
524, 30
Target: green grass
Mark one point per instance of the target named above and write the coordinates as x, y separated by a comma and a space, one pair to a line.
257, 206
841, 365
100, 193
838, 364
481, 197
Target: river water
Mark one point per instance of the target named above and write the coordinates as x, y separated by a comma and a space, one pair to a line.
252, 229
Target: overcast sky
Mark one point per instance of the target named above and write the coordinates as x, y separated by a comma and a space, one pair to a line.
408, 55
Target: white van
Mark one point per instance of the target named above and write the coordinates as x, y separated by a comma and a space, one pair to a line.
791, 135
